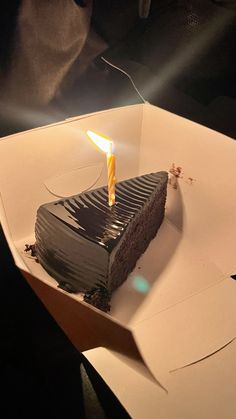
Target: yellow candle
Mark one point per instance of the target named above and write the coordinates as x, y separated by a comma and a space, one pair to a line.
105, 145
111, 167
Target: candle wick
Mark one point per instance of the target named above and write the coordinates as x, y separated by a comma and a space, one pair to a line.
110, 150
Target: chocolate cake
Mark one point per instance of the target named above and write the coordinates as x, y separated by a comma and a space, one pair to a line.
85, 244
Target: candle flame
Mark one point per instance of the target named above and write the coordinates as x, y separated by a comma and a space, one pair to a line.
102, 142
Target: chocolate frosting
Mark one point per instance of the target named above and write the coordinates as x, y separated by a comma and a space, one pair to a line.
77, 237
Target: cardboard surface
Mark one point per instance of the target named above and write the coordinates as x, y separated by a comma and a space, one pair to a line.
208, 205
203, 390
189, 331
187, 312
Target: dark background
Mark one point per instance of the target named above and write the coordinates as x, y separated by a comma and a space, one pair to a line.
181, 58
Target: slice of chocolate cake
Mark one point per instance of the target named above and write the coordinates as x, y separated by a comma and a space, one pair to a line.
85, 244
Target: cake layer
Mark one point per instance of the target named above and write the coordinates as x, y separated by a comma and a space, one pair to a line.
79, 240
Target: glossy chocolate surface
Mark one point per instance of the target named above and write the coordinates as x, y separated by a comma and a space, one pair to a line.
89, 214
76, 236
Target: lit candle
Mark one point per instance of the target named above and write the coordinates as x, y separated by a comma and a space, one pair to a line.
105, 145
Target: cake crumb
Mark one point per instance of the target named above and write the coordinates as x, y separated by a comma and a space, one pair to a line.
191, 180
176, 172
32, 249
99, 297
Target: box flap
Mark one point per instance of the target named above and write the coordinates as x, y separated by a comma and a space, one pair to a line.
190, 331
204, 390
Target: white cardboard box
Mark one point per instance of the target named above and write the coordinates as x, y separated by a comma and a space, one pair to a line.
189, 312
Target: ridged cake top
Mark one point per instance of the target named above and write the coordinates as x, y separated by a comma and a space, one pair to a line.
90, 215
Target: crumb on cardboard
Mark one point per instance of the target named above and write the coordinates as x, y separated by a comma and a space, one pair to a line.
176, 172
99, 297
32, 249
191, 180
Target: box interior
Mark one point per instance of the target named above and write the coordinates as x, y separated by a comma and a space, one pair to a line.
186, 268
